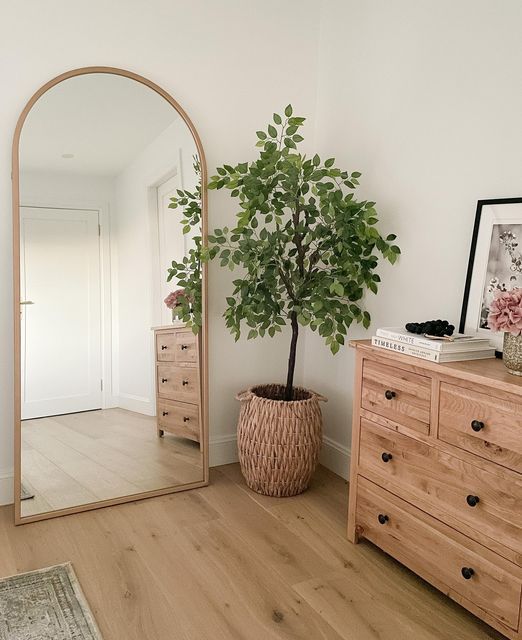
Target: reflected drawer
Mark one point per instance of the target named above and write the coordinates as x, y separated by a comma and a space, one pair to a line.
482, 424
397, 394
438, 554
179, 418
178, 383
474, 500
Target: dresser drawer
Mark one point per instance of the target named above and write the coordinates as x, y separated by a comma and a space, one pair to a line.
401, 396
177, 346
482, 424
179, 418
438, 554
444, 485
178, 383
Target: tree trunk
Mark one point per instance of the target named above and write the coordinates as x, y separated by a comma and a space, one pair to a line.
289, 391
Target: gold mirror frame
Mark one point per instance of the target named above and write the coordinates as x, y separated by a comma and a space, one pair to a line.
19, 519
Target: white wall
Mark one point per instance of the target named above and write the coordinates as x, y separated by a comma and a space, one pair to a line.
424, 98
230, 64
134, 233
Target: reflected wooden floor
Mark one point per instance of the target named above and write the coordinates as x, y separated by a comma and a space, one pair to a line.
222, 563
96, 455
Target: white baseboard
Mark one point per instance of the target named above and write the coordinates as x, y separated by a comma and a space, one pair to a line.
135, 403
6, 487
336, 457
223, 450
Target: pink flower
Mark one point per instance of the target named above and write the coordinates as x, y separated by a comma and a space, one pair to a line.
172, 300
505, 312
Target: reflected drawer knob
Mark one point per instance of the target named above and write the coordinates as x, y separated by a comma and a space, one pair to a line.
386, 457
165, 413
383, 519
389, 394
163, 380
184, 382
183, 347
467, 573
185, 419
472, 500
163, 347
477, 426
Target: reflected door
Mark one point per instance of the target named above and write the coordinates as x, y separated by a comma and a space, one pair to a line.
60, 328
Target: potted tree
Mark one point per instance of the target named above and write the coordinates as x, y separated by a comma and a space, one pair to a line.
307, 250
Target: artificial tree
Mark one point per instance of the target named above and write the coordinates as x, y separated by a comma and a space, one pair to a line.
307, 248
187, 271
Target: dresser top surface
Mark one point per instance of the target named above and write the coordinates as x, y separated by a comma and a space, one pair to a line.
490, 372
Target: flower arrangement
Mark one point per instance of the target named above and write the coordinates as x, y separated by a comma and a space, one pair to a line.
505, 312
175, 301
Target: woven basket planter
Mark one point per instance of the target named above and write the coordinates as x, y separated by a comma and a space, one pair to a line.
279, 441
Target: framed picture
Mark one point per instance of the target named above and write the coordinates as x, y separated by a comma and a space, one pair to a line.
495, 263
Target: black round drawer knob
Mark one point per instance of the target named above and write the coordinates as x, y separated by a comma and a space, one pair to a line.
472, 500
184, 383
389, 394
183, 347
163, 380
185, 419
165, 413
477, 425
467, 573
382, 518
386, 457
163, 347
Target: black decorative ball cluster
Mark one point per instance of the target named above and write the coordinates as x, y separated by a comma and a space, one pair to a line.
438, 328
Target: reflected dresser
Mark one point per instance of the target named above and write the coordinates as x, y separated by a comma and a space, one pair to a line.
436, 475
178, 389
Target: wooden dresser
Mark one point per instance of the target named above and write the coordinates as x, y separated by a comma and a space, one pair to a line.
178, 390
436, 475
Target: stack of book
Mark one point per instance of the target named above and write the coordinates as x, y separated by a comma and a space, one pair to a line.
460, 347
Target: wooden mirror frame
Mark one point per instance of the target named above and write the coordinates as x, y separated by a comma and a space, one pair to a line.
19, 519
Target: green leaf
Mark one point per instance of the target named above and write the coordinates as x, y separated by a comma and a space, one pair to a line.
277, 118
261, 135
272, 131
288, 110
329, 163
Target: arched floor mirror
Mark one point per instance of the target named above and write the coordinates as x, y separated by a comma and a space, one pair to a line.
111, 368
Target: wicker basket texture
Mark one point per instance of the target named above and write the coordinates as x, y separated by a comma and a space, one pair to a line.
279, 441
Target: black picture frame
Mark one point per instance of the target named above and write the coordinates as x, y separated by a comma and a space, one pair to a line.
481, 204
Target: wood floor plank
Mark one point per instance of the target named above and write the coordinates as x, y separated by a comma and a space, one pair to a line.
100, 455
358, 611
221, 563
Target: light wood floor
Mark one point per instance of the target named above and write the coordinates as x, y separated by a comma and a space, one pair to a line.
84, 457
222, 563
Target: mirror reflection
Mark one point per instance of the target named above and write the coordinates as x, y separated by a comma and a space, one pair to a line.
110, 295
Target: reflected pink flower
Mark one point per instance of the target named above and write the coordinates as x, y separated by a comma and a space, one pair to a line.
172, 300
505, 312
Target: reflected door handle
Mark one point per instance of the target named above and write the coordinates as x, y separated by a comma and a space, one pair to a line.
27, 302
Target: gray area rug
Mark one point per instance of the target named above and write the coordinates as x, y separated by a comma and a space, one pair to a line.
45, 605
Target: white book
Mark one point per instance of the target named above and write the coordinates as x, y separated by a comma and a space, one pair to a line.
460, 341
430, 354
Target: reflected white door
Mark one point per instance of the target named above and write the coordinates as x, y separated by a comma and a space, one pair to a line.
171, 239
61, 328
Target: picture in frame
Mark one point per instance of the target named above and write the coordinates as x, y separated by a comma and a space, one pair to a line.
495, 263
